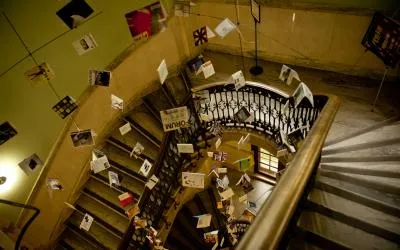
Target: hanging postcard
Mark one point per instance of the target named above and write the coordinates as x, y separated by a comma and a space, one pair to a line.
145, 22
208, 69
40, 74
225, 27
137, 150
204, 220
223, 183
82, 138
227, 194
65, 107
145, 168
185, 148
243, 115
54, 184
100, 164
287, 74
162, 71
173, 119
99, 77
31, 164
255, 10
211, 237
125, 128
113, 179
85, 44
200, 36
302, 92
220, 156
125, 199
193, 180
210, 33
116, 102
86, 222
74, 13
182, 8
218, 143
245, 183
195, 64
152, 182
238, 80
6, 132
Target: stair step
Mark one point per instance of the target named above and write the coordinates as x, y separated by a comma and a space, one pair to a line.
146, 119
120, 159
370, 197
384, 184
357, 133
355, 214
98, 208
143, 131
98, 233
76, 240
384, 169
64, 245
103, 190
341, 233
388, 132
375, 148
158, 100
127, 181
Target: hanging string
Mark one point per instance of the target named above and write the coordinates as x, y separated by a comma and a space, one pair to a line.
240, 38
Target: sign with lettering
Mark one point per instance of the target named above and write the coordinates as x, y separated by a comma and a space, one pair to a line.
383, 39
176, 118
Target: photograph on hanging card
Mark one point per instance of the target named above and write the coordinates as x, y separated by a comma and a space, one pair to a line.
176, 118
82, 138
84, 44
113, 179
242, 115
40, 74
6, 132
245, 183
145, 168
65, 107
195, 64
238, 80
220, 156
182, 8
211, 237
152, 182
54, 184
86, 222
200, 36
193, 180
99, 164
208, 69
383, 39
74, 13
99, 77
146, 22
302, 92
287, 74
137, 150
116, 102
31, 164
225, 27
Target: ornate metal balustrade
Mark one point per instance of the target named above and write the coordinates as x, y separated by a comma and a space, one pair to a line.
269, 117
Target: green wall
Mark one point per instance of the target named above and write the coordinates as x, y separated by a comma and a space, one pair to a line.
28, 108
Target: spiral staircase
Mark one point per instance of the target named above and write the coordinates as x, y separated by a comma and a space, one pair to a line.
338, 196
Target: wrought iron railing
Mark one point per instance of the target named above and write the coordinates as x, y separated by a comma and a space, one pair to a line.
269, 116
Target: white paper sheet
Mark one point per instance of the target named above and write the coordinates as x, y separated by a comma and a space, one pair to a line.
137, 150
86, 222
204, 221
222, 170
193, 180
287, 74
113, 178
145, 168
208, 69
84, 44
185, 148
238, 80
218, 143
162, 71
227, 194
152, 182
210, 33
125, 128
99, 164
302, 92
225, 27
116, 102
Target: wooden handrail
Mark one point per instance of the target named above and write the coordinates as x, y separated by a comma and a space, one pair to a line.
274, 216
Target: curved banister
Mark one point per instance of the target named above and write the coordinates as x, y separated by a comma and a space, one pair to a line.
267, 229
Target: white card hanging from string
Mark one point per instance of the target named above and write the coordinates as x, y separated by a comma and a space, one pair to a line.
185, 148
225, 27
208, 69
193, 180
86, 222
210, 33
137, 150
152, 182
145, 168
162, 71
116, 102
84, 44
99, 164
287, 74
125, 128
238, 80
204, 220
113, 179
302, 92
218, 143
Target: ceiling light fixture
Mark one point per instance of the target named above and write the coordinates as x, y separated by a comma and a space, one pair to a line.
3, 179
